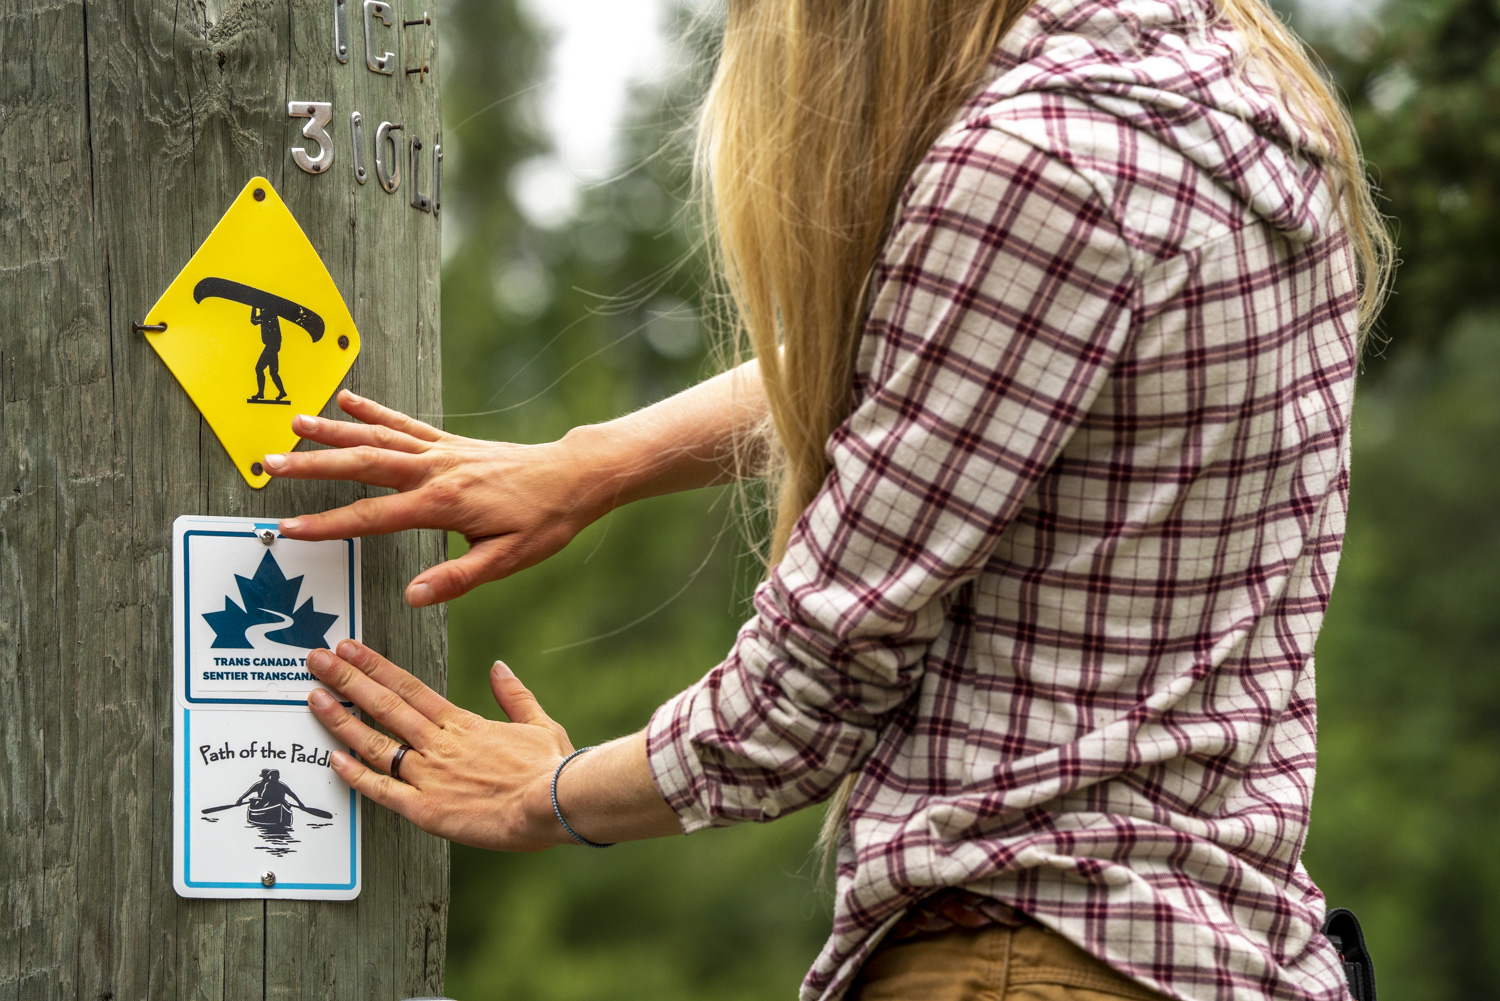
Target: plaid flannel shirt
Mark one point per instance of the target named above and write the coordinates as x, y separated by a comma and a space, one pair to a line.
1057, 599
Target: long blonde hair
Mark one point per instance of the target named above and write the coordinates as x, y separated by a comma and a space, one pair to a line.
818, 112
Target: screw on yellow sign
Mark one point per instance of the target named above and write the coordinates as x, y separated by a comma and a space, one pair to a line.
255, 329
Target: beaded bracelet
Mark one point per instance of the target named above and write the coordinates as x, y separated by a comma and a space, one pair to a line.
558, 810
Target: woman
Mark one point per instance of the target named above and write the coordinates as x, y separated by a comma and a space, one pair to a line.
1055, 309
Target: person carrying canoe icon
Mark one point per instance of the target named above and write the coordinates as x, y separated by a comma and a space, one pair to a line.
270, 355
268, 800
267, 310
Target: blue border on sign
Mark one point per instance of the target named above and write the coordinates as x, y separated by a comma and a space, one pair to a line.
187, 621
187, 832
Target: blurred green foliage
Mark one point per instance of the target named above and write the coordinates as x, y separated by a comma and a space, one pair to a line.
1408, 795
550, 325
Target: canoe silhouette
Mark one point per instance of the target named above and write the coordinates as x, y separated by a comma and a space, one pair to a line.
286, 309
269, 814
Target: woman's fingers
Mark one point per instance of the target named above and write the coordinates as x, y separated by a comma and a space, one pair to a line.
377, 467
346, 434
515, 698
482, 782
385, 706
408, 686
368, 742
383, 789
486, 560
373, 413
366, 516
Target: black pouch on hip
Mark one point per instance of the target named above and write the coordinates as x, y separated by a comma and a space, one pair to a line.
1342, 929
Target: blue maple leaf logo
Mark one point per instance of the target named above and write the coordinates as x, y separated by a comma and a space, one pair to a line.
269, 597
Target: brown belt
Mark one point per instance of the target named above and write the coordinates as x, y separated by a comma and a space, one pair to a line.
956, 908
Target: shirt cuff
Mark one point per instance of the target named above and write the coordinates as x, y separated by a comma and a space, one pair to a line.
684, 732
675, 769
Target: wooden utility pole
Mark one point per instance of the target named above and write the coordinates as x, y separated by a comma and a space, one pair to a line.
126, 128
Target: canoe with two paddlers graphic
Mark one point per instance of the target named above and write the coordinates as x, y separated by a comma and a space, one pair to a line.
260, 812
264, 813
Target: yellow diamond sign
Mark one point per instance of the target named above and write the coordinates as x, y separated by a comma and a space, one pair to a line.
255, 329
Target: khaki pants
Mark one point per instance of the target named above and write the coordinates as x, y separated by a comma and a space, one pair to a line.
991, 964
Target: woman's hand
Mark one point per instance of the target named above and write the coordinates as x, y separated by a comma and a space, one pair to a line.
516, 504
519, 504
466, 778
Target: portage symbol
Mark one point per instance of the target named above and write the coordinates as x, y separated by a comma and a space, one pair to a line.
266, 311
255, 265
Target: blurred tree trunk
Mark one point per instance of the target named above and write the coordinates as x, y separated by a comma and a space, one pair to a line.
126, 128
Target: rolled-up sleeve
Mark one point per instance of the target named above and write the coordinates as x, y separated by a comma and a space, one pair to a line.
1000, 303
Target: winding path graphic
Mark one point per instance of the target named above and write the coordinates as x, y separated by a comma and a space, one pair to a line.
257, 634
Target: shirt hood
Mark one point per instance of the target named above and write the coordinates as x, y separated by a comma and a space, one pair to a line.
1178, 71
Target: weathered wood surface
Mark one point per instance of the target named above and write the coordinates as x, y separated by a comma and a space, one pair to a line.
126, 127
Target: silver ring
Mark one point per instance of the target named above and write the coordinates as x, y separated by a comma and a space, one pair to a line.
396, 761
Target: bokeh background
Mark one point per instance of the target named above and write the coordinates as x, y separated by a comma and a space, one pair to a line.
572, 292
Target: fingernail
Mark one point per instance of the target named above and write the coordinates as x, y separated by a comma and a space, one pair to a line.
290, 524
320, 699
339, 760
347, 649
306, 422
502, 670
420, 594
353, 397
275, 460
317, 661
